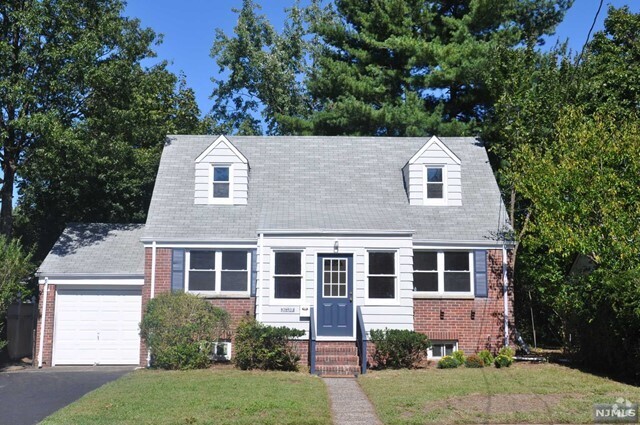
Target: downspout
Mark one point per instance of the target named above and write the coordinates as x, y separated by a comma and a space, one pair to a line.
260, 261
505, 294
44, 319
153, 287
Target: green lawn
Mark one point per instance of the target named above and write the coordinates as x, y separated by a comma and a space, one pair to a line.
226, 396
523, 393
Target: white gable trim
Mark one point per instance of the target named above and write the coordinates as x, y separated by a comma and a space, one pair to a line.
222, 139
434, 140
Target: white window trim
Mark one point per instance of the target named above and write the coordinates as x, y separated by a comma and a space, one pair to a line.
221, 201
217, 292
272, 292
441, 293
445, 186
441, 342
346, 272
382, 301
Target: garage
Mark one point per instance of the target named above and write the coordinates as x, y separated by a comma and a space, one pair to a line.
97, 326
90, 302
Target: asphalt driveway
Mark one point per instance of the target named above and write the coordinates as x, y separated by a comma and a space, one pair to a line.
30, 395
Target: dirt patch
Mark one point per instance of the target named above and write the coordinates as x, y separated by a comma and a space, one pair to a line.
500, 403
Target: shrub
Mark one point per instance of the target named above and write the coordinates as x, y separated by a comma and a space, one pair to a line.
507, 351
448, 362
502, 361
265, 347
398, 349
474, 361
179, 330
459, 356
486, 357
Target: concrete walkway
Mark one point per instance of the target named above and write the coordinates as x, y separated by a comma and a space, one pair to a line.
349, 405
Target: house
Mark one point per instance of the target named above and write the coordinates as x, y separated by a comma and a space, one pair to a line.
324, 234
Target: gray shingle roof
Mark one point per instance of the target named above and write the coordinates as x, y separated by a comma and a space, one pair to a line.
322, 183
96, 249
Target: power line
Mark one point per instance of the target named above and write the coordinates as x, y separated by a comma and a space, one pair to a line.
593, 24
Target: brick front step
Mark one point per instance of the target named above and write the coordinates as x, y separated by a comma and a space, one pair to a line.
327, 348
347, 360
339, 370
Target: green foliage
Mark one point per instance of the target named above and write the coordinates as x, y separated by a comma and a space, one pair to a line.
398, 349
459, 356
474, 361
502, 360
179, 330
448, 362
507, 351
258, 346
16, 269
486, 356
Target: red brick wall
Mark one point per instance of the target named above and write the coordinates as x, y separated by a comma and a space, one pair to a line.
47, 349
485, 330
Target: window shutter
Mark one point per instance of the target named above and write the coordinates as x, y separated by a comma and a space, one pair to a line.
480, 263
254, 271
177, 270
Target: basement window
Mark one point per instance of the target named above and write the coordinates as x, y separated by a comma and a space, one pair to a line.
440, 349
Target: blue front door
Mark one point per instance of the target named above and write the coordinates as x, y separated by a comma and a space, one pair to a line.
335, 295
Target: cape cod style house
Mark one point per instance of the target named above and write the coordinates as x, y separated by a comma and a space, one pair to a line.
332, 235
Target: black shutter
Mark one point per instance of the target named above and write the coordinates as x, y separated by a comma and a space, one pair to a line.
254, 271
177, 270
480, 261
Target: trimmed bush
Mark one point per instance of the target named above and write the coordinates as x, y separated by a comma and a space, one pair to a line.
507, 351
399, 349
259, 346
486, 357
448, 362
459, 356
502, 361
474, 361
179, 330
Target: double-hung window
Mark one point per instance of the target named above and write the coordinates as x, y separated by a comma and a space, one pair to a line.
221, 184
382, 275
287, 276
443, 272
435, 185
218, 272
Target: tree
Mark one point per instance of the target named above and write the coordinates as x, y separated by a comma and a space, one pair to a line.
409, 68
15, 269
83, 122
263, 72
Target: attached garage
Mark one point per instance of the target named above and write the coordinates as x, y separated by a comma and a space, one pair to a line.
91, 297
97, 326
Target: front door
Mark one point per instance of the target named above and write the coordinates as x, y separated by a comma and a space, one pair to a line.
335, 295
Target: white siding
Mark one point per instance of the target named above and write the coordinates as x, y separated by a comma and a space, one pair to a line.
221, 154
416, 176
396, 315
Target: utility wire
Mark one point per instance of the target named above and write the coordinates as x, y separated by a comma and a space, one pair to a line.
593, 24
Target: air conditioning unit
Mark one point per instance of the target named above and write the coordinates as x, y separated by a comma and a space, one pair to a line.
222, 351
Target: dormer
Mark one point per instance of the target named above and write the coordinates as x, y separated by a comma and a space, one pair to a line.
221, 175
433, 176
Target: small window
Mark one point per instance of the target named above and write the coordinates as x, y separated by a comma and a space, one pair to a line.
287, 279
382, 275
425, 271
435, 183
221, 182
218, 271
442, 348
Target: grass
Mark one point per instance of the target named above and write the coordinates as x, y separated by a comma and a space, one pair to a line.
523, 393
202, 397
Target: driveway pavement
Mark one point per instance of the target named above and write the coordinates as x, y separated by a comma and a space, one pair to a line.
28, 396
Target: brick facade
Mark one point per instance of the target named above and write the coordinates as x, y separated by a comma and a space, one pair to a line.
47, 349
475, 323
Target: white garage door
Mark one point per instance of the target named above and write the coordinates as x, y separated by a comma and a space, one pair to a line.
97, 326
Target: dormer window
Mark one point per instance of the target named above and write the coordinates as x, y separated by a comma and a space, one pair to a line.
435, 185
435, 182
221, 181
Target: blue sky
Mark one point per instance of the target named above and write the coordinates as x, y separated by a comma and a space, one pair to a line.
189, 30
